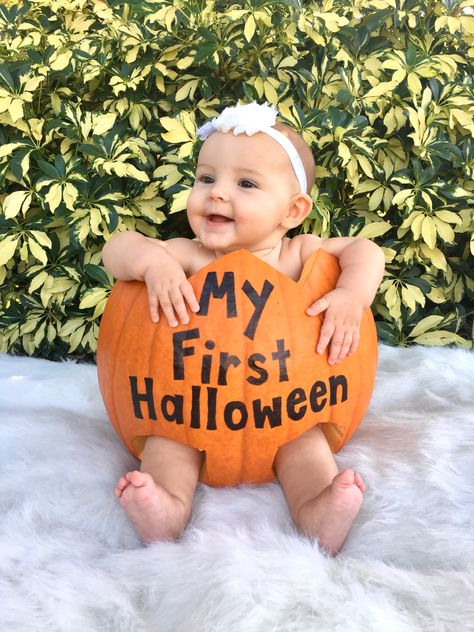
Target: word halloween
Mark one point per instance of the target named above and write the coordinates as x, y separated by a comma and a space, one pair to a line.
213, 401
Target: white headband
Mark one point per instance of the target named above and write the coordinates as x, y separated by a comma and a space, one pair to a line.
250, 119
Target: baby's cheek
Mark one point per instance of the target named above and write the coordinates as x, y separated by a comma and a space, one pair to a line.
192, 209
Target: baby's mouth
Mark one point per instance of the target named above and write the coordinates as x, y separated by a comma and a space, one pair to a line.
218, 219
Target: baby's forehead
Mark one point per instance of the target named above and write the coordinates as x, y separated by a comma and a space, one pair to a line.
257, 148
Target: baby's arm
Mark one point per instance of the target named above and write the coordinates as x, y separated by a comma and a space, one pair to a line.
362, 265
161, 265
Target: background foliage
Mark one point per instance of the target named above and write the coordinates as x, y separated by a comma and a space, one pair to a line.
99, 101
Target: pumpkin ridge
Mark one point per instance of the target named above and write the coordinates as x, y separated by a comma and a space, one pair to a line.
112, 393
120, 339
310, 264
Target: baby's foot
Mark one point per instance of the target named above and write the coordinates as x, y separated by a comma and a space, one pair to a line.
329, 516
155, 513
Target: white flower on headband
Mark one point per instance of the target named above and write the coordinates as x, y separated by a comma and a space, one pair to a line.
250, 119
242, 119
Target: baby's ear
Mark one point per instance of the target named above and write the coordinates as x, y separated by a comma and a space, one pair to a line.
299, 209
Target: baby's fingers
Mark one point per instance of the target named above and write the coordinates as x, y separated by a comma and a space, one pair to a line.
189, 296
153, 304
183, 297
348, 347
179, 306
168, 309
355, 342
318, 306
325, 335
173, 304
340, 346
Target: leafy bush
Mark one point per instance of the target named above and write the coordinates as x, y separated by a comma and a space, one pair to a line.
99, 102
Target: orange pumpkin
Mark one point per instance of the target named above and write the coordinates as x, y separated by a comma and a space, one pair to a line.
243, 377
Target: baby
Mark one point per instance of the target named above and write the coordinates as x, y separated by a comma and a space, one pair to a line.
252, 186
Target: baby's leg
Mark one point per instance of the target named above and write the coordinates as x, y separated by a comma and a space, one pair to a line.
323, 502
158, 499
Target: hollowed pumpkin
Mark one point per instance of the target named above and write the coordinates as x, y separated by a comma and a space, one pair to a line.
243, 377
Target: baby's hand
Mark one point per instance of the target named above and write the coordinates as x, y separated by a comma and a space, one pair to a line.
169, 288
341, 323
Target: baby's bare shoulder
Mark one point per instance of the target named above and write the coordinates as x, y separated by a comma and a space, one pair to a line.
302, 246
192, 254
294, 253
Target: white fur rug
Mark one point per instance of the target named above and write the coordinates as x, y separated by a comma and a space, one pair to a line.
69, 560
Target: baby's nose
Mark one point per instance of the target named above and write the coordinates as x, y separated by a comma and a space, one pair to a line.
219, 191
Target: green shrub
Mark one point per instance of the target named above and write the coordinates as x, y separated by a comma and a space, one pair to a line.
99, 102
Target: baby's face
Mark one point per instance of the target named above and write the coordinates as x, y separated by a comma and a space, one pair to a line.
243, 191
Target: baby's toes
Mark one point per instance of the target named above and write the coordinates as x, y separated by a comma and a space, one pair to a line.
359, 482
121, 485
139, 479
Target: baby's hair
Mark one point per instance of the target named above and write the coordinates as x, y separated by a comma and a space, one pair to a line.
303, 150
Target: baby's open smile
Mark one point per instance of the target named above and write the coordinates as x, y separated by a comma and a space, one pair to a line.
215, 218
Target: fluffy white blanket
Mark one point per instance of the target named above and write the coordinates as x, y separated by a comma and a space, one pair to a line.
69, 560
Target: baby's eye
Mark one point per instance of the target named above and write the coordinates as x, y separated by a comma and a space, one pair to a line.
206, 179
247, 184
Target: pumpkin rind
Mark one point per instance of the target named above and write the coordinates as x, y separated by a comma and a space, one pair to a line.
245, 407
